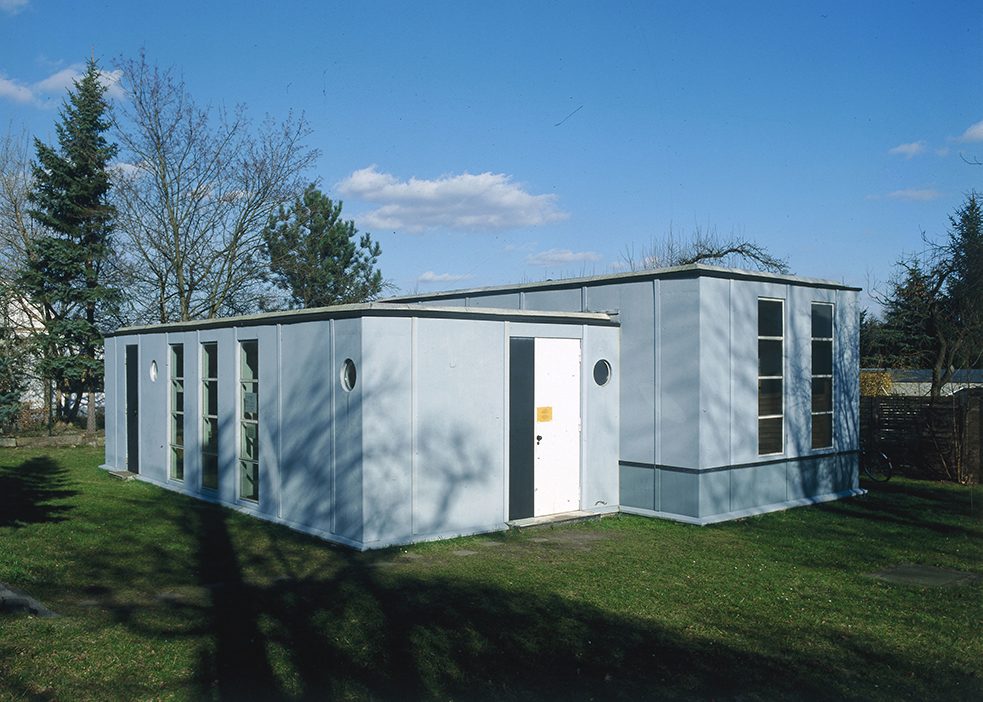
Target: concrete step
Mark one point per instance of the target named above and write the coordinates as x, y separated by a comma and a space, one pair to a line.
122, 474
575, 516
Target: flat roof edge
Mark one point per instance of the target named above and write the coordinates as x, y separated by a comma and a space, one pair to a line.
694, 270
373, 309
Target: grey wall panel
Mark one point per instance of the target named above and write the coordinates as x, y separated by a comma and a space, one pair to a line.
679, 373
744, 372
822, 475
387, 429
637, 487
846, 376
639, 399
600, 418
459, 479
756, 486
111, 402
798, 369
716, 372
306, 378
678, 492
545, 331
346, 483
715, 488
153, 407
568, 300
119, 413
508, 302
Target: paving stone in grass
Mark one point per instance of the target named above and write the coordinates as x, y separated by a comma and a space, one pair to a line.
463, 552
16, 602
925, 576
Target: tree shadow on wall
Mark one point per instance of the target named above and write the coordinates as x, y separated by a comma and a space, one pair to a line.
29, 491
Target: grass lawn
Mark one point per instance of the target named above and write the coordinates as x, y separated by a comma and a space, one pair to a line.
164, 597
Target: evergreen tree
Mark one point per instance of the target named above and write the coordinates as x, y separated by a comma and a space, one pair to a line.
63, 276
318, 258
933, 316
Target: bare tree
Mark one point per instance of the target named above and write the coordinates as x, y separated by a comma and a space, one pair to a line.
20, 317
195, 189
703, 246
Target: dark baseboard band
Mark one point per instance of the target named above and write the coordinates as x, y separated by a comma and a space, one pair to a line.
717, 469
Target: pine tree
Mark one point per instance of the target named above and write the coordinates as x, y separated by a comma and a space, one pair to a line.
64, 274
319, 258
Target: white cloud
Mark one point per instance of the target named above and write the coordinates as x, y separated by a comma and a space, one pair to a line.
908, 150
943, 151
915, 194
12, 7
973, 133
486, 201
431, 277
15, 91
48, 91
559, 257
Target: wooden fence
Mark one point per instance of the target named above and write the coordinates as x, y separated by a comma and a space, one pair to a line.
940, 439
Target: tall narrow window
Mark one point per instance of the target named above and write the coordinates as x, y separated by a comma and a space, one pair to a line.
249, 420
771, 372
209, 415
176, 471
822, 375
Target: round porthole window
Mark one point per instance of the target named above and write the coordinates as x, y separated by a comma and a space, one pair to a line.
348, 374
153, 371
602, 372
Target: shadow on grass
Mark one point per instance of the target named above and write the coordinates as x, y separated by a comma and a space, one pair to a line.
370, 627
28, 491
915, 504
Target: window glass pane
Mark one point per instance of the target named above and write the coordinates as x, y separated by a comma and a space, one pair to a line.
177, 430
209, 435
769, 357
822, 357
822, 430
822, 394
250, 360
822, 321
177, 464
211, 398
177, 361
770, 318
250, 442
209, 360
770, 435
769, 397
250, 401
249, 480
177, 396
209, 471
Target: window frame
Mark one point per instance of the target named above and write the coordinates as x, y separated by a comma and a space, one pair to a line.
243, 422
780, 377
176, 417
831, 340
205, 381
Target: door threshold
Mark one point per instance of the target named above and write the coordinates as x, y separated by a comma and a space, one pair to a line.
574, 516
123, 474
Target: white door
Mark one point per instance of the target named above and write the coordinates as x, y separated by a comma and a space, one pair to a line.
557, 426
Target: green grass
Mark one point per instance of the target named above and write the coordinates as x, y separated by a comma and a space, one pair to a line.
164, 597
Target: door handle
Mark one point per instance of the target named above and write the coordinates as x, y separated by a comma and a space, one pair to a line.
539, 437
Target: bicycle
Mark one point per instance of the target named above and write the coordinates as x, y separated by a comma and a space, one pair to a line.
876, 465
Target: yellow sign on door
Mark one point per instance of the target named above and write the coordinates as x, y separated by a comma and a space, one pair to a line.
544, 414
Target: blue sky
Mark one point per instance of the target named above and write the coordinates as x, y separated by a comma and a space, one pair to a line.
487, 143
